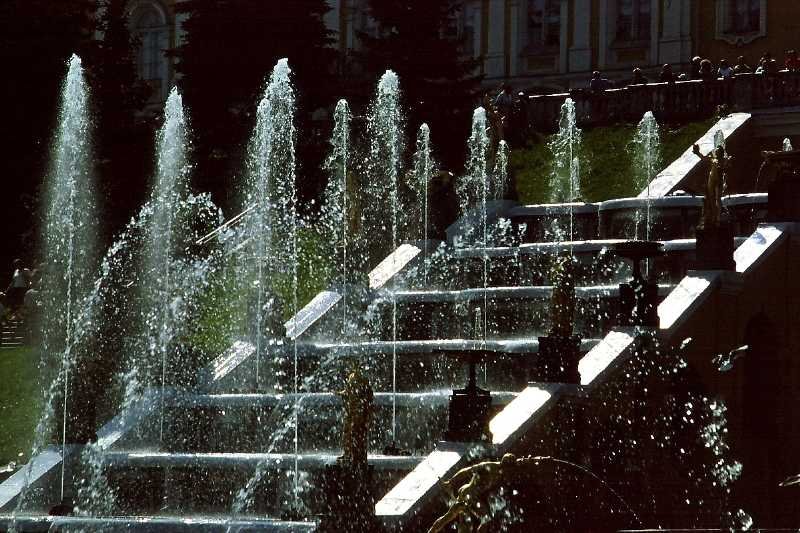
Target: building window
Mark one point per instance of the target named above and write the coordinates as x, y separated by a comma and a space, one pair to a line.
543, 22
743, 16
461, 28
149, 27
741, 21
633, 20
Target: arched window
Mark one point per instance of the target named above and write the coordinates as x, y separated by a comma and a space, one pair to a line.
149, 27
543, 24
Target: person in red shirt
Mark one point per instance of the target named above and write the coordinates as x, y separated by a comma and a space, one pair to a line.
792, 62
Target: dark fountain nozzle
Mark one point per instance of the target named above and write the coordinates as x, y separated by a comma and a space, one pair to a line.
638, 299
468, 419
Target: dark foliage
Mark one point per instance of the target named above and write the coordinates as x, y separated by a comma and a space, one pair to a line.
124, 138
439, 84
37, 38
229, 50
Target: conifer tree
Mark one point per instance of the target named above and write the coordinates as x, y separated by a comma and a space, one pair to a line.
230, 48
438, 79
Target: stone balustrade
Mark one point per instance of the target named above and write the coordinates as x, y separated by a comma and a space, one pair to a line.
671, 102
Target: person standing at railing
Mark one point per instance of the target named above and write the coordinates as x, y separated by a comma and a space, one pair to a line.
667, 75
638, 77
767, 66
694, 68
741, 66
707, 70
792, 62
598, 83
725, 71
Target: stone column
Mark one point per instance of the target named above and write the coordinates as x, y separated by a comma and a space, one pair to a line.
675, 43
602, 30
513, 29
563, 37
580, 53
655, 19
495, 55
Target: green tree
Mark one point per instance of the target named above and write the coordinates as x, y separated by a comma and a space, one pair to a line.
439, 82
37, 38
229, 50
124, 140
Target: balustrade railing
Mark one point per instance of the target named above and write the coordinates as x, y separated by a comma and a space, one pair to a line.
670, 102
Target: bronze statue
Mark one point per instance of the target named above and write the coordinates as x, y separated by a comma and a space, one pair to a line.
712, 201
472, 485
562, 301
357, 398
476, 483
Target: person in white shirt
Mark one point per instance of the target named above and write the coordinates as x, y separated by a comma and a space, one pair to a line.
20, 282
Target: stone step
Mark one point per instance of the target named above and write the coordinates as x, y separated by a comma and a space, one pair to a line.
156, 524
158, 483
419, 365
252, 422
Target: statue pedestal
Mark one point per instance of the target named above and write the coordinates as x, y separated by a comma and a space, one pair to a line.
638, 304
783, 203
714, 248
349, 505
468, 419
638, 300
557, 361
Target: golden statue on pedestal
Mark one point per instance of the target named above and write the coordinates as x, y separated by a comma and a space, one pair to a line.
357, 397
562, 301
712, 201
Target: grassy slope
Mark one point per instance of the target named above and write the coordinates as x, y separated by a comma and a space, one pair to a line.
19, 403
607, 163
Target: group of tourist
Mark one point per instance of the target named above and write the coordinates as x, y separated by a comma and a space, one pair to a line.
705, 70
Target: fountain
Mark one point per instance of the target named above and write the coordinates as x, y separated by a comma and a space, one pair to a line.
385, 132
336, 218
424, 169
647, 161
273, 225
157, 284
68, 256
565, 147
203, 431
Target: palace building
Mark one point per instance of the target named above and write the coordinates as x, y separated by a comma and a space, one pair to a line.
545, 45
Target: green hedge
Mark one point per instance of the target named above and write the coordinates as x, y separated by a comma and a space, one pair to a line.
606, 162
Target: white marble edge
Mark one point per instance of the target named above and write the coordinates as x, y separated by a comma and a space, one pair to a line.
671, 177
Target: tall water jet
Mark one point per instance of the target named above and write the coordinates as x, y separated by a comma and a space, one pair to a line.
69, 241
157, 284
336, 219
272, 224
473, 188
787, 145
424, 169
385, 131
647, 159
499, 184
565, 146
565, 178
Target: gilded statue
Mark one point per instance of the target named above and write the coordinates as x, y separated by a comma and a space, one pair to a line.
357, 397
469, 488
712, 201
562, 301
